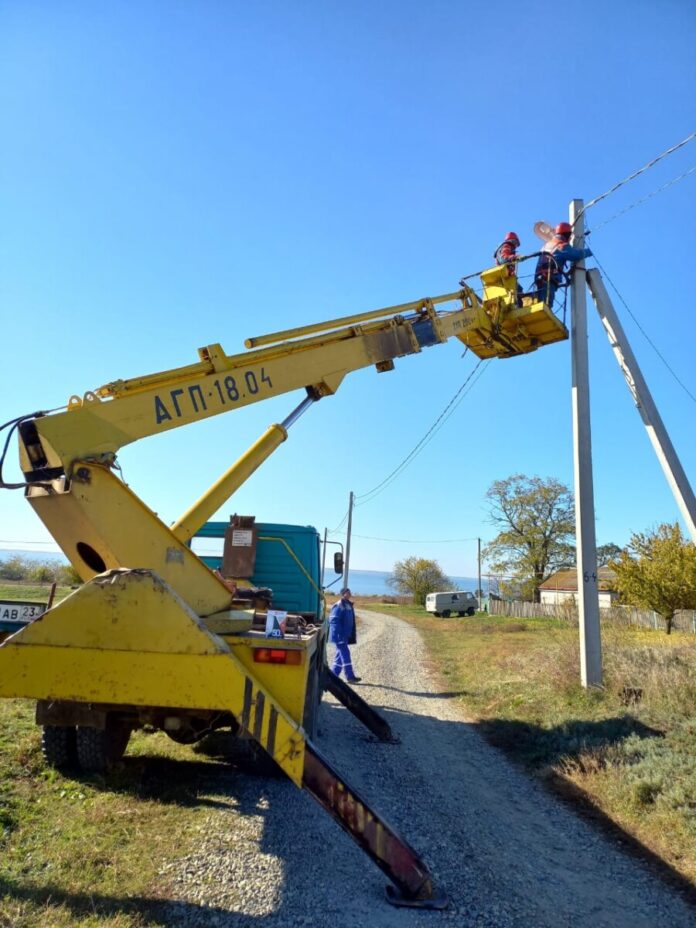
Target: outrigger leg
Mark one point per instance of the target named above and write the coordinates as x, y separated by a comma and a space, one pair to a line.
361, 709
413, 884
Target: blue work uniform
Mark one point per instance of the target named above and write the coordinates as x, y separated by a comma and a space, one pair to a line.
550, 269
341, 631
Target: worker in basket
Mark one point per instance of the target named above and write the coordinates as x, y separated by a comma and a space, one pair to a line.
506, 253
550, 272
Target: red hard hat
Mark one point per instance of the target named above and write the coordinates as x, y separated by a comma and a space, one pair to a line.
563, 228
512, 237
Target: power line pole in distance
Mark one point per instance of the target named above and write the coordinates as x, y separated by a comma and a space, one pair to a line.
480, 591
346, 565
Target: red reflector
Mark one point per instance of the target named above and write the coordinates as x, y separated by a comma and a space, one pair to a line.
276, 656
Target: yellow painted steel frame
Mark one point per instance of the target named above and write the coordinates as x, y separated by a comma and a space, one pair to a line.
101, 524
95, 426
508, 324
127, 638
115, 641
136, 637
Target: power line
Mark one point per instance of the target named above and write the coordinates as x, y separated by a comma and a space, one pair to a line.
417, 541
643, 199
442, 418
21, 541
340, 525
635, 174
427, 438
644, 333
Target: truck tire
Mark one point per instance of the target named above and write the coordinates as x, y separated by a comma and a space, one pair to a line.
436, 614
59, 747
445, 613
99, 748
471, 611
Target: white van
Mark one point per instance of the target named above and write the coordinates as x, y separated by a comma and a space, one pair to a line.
445, 604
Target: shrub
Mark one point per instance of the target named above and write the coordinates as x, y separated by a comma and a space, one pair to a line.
13, 568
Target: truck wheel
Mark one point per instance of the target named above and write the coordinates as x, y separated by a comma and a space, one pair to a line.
460, 614
59, 747
445, 614
98, 749
471, 611
436, 614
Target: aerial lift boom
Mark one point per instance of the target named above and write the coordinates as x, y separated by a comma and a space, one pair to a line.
152, 626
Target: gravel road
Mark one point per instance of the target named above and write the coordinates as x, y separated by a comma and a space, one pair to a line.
506, 853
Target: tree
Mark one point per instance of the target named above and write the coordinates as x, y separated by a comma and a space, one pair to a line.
537, 522
14, 568
418, 576
607, 552
658, 571
68, 576
43, 572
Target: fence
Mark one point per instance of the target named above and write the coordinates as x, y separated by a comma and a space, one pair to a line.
684, 621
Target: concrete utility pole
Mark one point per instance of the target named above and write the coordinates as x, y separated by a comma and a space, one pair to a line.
657, 433
346, 565
323, 556
480, 591
586, 544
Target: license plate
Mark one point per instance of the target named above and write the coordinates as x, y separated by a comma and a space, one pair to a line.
19, 613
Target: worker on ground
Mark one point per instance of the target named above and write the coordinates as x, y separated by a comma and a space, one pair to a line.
506, 253
342, 633
550, 271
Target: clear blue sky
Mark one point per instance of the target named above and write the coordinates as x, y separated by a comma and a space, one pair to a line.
177, 174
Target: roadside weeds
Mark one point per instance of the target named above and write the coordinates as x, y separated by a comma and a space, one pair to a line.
623, 755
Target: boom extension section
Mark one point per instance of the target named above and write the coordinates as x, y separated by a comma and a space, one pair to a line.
315, 358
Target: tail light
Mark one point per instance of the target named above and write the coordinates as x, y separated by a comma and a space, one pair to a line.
277, 656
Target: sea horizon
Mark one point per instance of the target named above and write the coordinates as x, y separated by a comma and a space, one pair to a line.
363, 582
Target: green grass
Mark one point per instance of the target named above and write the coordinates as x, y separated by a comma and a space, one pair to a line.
34, 592
628, 747
88, 851
80, 853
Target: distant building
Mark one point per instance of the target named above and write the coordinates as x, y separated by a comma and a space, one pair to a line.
562, 587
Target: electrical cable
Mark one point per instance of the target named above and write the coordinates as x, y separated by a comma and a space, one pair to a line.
334, 531
417, 541
366, 497
13, 425
643, 332
643, 199
370, 495
635, 174
23, 541
435, 430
